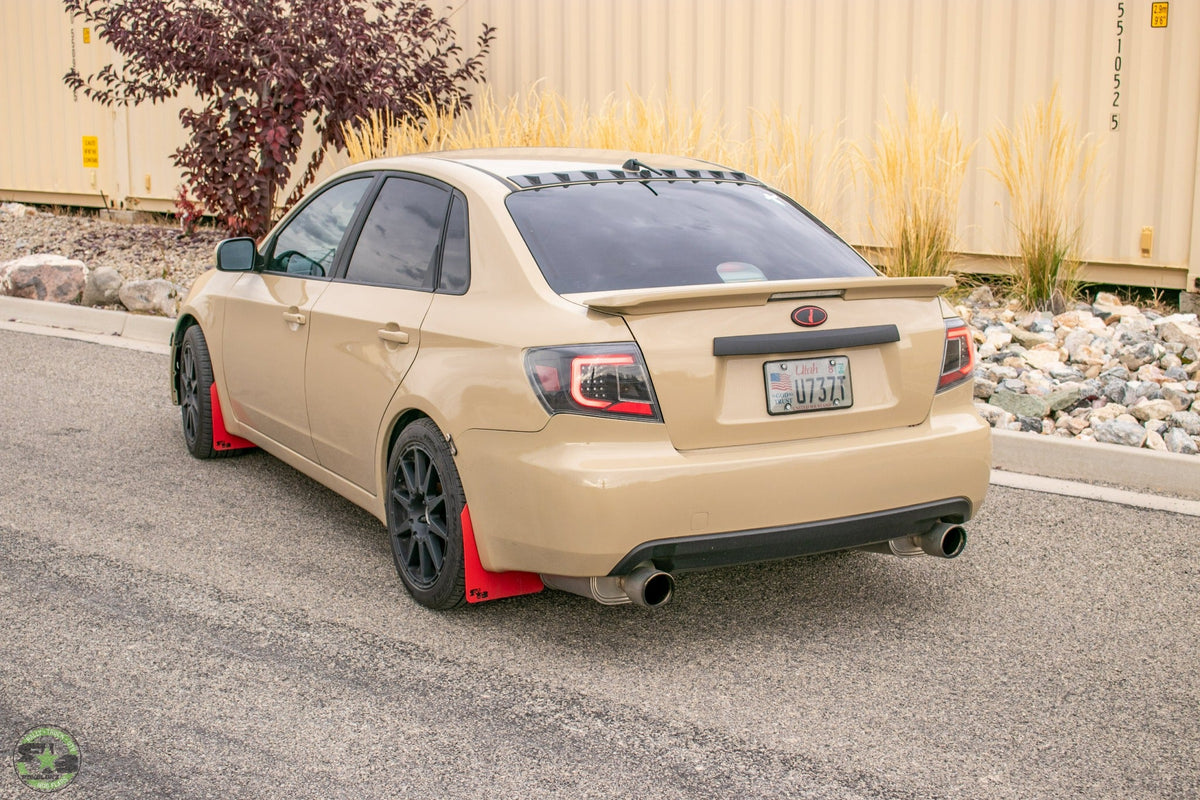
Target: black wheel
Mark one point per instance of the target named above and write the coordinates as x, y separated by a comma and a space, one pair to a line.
424, 517
195, 395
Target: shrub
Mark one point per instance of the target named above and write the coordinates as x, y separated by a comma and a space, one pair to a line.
263, 69
1046, 169
916, 175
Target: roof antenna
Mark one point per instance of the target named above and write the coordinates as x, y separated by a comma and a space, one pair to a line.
643, 170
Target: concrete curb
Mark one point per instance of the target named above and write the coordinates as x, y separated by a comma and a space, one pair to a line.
141, 328
1094, 462
1025, 453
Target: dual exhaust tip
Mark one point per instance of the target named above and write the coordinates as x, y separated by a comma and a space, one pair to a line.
650, 587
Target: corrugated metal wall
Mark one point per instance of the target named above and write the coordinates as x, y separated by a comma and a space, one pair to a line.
840, 65
837, 65
41, 138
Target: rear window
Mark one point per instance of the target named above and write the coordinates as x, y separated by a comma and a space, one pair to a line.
607, 236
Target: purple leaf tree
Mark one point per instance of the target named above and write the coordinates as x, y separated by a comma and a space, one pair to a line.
264, 69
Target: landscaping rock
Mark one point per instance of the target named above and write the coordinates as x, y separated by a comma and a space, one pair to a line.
1152, 409
1179, 329
1178, 441
1119, 431
1066, 396
156, 296
102, 288
44, 276
1020, 405
1187, 421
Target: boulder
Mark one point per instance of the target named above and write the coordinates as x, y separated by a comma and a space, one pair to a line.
44, 276
156, 296
102, 288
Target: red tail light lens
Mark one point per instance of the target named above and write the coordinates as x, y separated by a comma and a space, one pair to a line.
958, 356
599, 380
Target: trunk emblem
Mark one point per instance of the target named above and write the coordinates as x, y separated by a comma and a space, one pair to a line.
809, 316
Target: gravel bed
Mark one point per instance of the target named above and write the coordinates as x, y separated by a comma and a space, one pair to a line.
138, 251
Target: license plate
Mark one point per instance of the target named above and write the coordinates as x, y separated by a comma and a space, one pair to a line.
808, 384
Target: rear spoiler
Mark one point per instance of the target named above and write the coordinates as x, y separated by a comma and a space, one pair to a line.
756, 293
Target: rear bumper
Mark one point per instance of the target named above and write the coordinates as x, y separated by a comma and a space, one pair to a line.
810, 538
588, 497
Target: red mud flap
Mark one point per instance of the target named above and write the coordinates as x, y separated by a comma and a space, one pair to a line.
223, 439
483, 585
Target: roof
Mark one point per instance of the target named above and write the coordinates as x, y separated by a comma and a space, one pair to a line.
535, 167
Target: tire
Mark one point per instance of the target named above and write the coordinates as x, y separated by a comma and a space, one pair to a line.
195, 395
424, 517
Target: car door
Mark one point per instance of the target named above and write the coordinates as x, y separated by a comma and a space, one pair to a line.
266, 326
366, 327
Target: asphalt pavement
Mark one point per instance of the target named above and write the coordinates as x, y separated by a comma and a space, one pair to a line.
231, 628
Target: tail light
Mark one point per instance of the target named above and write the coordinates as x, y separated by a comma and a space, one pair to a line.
958, 357
608, 380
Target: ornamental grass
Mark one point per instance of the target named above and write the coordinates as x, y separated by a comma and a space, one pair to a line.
915, 172
1046, 169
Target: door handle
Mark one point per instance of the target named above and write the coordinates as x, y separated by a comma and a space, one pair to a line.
294, 317
389, 335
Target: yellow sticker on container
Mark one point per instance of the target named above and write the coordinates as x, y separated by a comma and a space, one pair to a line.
1158, 15
87, 35
91, 151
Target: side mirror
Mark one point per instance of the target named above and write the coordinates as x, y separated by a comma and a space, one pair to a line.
236, 255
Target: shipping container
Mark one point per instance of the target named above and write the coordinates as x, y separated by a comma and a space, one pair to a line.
1126, 71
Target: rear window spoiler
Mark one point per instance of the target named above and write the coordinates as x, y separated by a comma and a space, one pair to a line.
735, 295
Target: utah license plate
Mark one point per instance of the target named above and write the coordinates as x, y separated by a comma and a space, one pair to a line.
808, 384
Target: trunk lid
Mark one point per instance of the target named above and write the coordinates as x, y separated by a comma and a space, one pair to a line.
715, 353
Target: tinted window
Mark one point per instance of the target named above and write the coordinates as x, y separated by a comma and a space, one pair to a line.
640, 234
309, 242
456, 252
399, 242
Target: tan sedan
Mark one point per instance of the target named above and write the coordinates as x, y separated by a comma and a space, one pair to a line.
588, 371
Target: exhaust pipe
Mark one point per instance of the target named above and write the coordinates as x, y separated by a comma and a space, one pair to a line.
647, 586
944, 540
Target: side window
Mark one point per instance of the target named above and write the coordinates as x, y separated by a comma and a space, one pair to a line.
309, 242
456, 252
398, 245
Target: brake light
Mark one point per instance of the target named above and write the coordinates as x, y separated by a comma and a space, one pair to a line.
958, 356
599, 380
